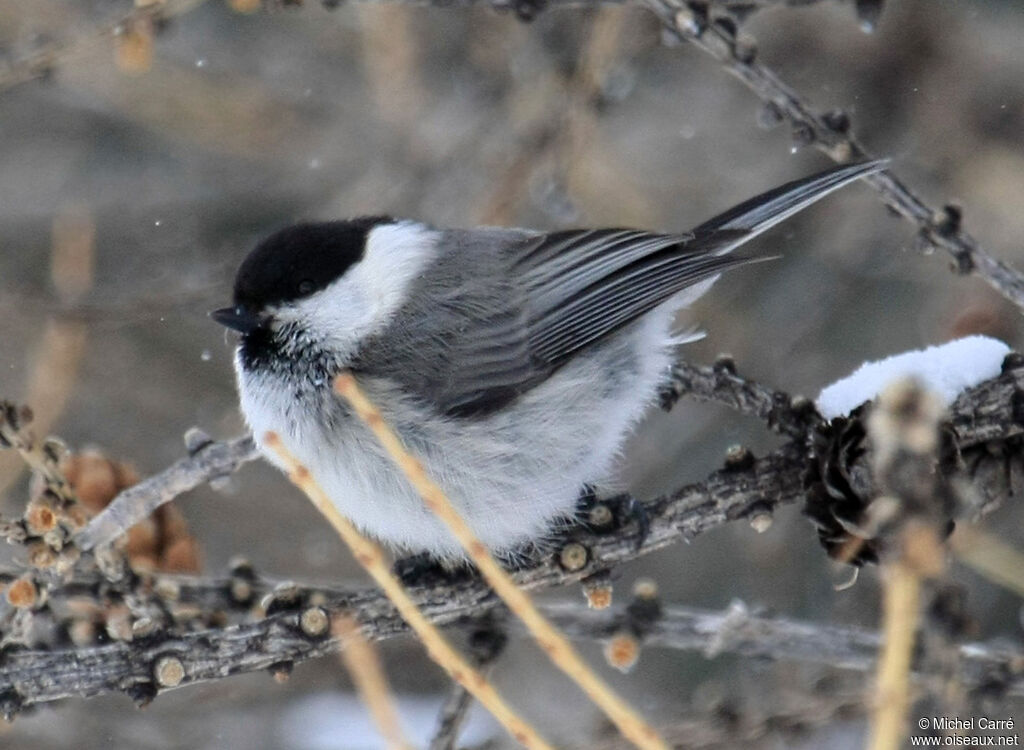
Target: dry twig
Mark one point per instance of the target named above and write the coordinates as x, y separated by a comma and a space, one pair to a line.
363, 664
370, 556
901, 608
904, 429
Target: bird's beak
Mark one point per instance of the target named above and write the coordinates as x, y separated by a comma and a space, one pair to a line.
237, 318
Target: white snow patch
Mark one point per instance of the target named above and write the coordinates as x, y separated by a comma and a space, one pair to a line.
341, 721
947, 369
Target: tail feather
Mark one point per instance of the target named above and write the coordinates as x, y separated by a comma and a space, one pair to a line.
761, 213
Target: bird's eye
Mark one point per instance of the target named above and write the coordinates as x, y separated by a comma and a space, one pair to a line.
306, 286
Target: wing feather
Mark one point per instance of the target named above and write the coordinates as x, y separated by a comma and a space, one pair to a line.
568, 290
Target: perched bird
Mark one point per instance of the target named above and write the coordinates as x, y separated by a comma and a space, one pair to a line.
513, 363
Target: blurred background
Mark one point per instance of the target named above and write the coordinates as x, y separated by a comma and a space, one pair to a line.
141, 167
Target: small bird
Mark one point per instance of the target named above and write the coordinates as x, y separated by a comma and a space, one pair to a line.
512, 362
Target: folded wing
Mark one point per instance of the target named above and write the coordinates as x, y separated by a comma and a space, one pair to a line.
569, 290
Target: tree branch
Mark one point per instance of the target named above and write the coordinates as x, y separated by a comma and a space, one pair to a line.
737, 630
208, 460
831, 133
36, 676
721, 384
984, 416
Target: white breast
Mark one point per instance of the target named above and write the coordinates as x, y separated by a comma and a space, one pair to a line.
513, 474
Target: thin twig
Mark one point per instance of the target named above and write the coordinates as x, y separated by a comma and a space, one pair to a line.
453, 713
208, 461
369, 555
904, 430
555, 645
901, 607
363, 664
831, 133
721, 384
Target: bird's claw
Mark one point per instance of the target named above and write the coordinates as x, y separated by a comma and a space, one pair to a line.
423, 569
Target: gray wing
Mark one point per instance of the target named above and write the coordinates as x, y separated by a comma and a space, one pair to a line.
496, 333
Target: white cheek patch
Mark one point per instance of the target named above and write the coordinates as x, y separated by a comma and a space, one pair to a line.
395, 255
363, 300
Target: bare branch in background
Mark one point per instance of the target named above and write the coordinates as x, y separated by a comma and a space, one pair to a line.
729, 724
59, 353
280, 639
737, 630
45, 61
832, 133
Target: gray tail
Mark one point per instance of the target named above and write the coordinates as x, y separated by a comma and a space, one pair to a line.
759, 214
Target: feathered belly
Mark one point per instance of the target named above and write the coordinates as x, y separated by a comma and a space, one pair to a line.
513, 474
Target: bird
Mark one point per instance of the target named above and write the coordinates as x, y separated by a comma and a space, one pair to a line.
513, 363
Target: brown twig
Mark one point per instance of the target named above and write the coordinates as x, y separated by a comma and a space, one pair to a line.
555, 645
363, 665
832, 134
904, 430
901, 607
370, 556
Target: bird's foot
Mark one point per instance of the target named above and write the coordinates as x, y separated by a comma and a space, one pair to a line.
424, 569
